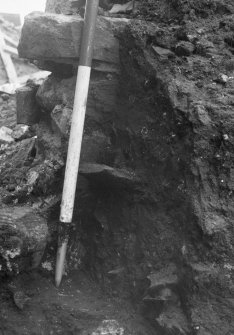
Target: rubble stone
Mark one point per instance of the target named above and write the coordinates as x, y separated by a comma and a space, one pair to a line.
101, 100
6, 135
184, 48
28, 111
166, 277
23, 239
95, 144
21, 132
63, 7
162, 52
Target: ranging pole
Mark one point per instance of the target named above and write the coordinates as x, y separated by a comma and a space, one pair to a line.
76, 133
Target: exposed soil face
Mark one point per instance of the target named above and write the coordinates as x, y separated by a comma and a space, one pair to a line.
31, 304
156, 226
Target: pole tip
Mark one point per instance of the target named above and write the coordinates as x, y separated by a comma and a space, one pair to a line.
61, 255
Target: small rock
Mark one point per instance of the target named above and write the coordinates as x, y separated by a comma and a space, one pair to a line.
162, 52
116, 271
192, 38
6, 135
184, 48
214, 224
32, 177
118, 8
47, 266
11, 187
5, 97
173, 321
21, 132
205, 47
163, 278
109, 327
20, 299
22, 240
61, 118
222, 78
201, 31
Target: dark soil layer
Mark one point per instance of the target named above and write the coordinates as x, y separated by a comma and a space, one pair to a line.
32, 305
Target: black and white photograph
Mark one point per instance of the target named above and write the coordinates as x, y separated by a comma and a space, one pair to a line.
116, 167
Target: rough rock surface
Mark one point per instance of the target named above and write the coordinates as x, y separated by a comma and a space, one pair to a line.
64, 7
101, 100
58, 37
23, 239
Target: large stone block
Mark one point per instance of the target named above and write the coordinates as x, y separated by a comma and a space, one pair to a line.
48, 36
101, 100
64, 6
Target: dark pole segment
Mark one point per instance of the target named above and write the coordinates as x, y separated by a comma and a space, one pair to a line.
86, 52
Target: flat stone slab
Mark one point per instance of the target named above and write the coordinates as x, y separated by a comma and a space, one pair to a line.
108, 176
48, 36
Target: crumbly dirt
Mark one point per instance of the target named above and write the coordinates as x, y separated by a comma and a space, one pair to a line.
30, 304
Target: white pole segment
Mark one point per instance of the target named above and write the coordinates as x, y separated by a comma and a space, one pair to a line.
73, 159
74, 147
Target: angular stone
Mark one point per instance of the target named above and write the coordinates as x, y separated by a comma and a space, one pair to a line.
23, 235
222, 79
124, 8
20, 299
166, 277
101, 100
173, 321
27, 167
6, 135
64, 7
21, 132
205, 47
95, 144
162, 52
184, 48
58, 37
61, 118
108, 176
28, 111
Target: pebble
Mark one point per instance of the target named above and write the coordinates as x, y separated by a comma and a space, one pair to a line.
222, 78
6, 135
